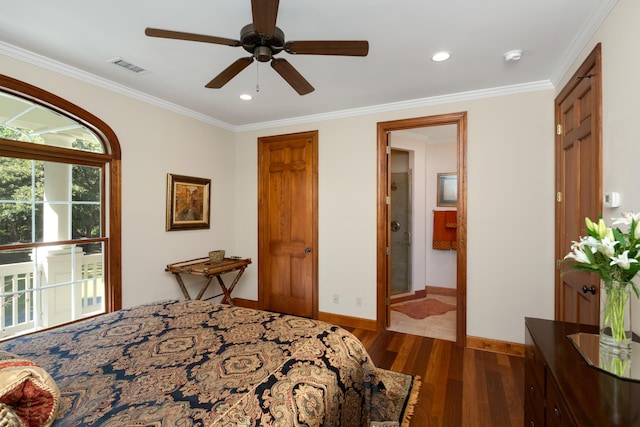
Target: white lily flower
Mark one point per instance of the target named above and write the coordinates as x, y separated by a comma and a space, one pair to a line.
588, 242
626, 218
623, 260
577, 253
608, 247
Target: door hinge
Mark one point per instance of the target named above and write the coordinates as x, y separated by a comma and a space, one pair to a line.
388, 149
558, 129
388, 200
558, 264
558, 197
388, 250
388, 301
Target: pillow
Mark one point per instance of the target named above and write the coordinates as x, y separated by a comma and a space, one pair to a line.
29, 390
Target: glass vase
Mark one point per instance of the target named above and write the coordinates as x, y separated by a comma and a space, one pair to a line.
615, 317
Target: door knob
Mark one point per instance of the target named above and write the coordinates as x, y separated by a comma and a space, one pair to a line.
586, 289
307, 250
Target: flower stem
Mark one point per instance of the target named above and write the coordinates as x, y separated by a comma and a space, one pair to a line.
615, 306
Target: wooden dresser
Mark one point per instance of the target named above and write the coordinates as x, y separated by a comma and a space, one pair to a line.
561, 389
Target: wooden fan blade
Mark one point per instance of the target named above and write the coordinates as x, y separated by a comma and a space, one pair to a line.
265, 13
178, 35
292, 76
230, 72
328, 47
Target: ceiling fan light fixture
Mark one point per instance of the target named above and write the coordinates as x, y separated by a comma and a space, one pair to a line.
440, 56
262, 54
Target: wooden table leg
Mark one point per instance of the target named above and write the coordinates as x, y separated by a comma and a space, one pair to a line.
227, 292
204, 288
183, 288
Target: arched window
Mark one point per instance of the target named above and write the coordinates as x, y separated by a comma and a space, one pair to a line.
60, 240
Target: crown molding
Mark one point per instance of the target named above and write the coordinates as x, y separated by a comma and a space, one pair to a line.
581, 39
403, 105
75, 73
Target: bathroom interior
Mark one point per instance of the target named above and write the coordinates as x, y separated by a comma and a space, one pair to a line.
422, 229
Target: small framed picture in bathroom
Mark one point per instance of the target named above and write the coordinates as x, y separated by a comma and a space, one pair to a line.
447, 189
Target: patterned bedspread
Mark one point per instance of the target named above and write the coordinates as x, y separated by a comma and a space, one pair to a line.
194, 363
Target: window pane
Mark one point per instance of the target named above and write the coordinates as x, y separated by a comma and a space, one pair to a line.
92, 278
85, 221
46, 286
16, 223
22, 120
86, 183
17, 178
16, 295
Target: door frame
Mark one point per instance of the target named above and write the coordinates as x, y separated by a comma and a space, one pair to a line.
383, 217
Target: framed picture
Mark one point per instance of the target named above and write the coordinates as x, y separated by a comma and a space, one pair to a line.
188, 201
448, 189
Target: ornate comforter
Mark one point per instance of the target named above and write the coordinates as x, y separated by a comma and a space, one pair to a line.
194, 363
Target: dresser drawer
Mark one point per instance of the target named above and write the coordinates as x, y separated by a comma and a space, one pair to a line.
531, 419
534, 360
556, 414
534, 398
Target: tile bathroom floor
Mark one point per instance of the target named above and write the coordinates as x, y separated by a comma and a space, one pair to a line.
441, 326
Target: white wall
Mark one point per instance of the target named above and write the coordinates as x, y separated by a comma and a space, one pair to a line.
441, 265
510, 209
154, 142
619, 35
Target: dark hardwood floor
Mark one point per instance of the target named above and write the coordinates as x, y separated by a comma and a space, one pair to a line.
460, 387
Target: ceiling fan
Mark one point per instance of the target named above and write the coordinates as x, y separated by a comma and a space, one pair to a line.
264, 41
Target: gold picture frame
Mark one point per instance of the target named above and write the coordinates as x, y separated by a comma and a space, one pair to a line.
447, 189
188, 202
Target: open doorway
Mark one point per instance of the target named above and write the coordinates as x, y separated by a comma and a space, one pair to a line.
384, 244
423, 171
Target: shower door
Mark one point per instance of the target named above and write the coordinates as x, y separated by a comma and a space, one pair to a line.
400, 232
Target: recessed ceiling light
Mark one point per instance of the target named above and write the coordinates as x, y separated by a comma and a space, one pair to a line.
246, 97
513, 55
441, 56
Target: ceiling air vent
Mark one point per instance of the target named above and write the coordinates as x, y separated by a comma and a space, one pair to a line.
128, 65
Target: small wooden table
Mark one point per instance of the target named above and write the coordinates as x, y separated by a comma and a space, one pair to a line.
202, 267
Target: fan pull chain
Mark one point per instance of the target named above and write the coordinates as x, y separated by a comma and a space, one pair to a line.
257, 77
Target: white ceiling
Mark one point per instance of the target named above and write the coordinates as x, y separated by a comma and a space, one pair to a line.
79, 37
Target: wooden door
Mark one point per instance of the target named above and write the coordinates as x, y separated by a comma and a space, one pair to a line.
578, 186
287, 223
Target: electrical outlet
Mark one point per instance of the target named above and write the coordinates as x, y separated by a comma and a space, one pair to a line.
358, 302
336, 299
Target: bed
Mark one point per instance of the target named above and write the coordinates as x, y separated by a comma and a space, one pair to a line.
196, 363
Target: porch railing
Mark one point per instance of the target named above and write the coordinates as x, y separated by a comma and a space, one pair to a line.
24, 308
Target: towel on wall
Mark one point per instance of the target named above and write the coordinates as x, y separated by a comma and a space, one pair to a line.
444, 230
